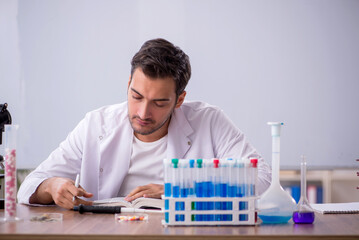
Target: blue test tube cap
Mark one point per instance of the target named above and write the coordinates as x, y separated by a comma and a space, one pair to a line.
191, 163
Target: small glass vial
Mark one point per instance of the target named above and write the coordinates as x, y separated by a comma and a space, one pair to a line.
304, 213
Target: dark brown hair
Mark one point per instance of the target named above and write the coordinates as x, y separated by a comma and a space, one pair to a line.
158, 58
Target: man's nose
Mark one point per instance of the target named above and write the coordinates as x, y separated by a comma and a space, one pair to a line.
144, 111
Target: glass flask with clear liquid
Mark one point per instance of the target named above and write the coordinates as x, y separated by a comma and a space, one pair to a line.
303, 213
275, 205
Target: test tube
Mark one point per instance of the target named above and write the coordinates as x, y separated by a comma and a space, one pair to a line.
248, 177
10, 172
192, 184
224, 177
217, 187
176, 187
184, 184
184, 178
223, 192
175, 179
232, 188
167, 177
199, 181
241, 183
232, 184
247, 182
217, 181
192, 179
199, 188
168, 186
254, 174
208, 179
239, 176
208, 187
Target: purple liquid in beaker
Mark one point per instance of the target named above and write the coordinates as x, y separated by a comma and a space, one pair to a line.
303, 217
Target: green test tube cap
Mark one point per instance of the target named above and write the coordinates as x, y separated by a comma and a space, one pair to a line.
175, 162
199, 163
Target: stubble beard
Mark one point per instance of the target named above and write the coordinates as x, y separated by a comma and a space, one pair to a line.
151, 130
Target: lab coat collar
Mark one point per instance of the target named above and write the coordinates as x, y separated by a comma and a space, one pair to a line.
179, 131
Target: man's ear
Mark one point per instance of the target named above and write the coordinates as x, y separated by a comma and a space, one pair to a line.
180, 99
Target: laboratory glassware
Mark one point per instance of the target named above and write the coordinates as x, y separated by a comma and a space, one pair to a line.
11, 132
303, 213
275, 205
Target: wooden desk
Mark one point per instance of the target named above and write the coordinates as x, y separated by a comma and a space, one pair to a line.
104, 226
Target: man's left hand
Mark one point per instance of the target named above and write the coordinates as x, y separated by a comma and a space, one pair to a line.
148, 191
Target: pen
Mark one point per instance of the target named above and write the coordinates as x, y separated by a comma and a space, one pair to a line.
112, 209
77, 183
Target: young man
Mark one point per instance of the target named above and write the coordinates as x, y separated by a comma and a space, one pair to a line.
118, 149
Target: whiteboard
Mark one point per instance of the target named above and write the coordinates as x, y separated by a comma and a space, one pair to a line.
289, 61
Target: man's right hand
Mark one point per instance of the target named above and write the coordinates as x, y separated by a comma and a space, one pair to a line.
61, 191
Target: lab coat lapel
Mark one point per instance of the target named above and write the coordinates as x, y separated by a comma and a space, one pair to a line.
179, 131
115, 157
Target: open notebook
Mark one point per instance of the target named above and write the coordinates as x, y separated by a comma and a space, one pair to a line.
137, 203
352, 207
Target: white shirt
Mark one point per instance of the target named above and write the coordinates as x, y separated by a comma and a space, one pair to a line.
145, 164
99, 148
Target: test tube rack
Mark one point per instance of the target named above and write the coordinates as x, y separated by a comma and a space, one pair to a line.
243, 211
210, 192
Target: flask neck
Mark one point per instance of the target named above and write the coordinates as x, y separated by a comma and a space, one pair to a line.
303, 181
275, 159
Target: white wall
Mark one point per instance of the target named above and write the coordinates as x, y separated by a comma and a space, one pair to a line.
10, 81
291, 61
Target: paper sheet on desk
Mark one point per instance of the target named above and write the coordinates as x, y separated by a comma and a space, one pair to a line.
352, 207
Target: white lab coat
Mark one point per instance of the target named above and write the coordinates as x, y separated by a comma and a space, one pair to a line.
99, 148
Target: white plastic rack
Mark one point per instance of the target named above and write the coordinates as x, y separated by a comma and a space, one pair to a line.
243, 211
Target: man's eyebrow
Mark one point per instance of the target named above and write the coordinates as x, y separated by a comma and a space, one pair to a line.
156, 99
136, 92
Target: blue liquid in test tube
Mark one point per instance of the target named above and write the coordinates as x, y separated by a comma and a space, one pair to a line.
232, 185
199, 188
243, 205
184, 184
167, 177
224, 185
175, 179
248, 177
217, 186
192, 179
208, 188
241, 183
176, 185
184, 178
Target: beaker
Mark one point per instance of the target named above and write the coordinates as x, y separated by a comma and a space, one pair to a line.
275, 205
304, 213
10, 172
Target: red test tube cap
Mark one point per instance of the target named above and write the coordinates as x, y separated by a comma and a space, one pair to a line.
215, 162
254, 162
